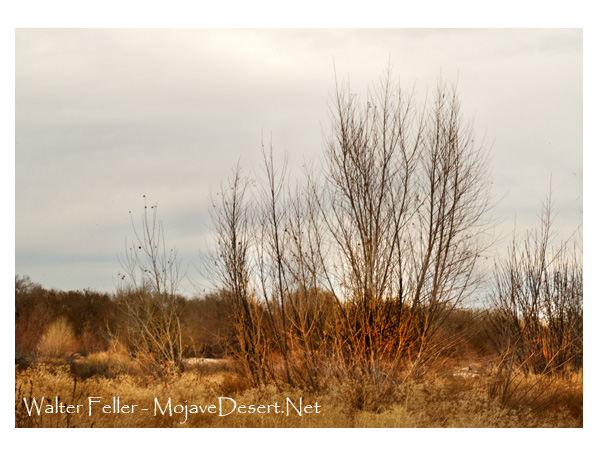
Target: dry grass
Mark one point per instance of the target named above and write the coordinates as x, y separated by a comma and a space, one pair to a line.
441, 401
106, 364
58, 340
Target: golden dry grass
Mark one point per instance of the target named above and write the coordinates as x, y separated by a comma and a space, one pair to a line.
58, 340
443, 401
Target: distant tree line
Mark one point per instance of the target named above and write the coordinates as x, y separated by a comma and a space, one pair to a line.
98, 319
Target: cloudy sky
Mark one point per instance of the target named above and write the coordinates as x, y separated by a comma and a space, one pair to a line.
106, 116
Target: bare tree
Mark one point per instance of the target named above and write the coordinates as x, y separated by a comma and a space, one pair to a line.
366, 205
451, 224
147, 292
272, 251
405, 205
536, 302
233, 220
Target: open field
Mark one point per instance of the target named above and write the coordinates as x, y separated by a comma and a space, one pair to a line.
457, 397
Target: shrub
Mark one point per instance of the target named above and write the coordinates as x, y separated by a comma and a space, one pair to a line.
536, 302
107, 364
58, 340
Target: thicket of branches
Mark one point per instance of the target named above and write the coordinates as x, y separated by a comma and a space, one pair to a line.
147, 294
536, 302
354, 270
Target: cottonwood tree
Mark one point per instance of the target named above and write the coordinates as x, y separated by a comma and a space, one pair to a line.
404, 200
147, 293
451, 224
233, 225
365, 202
273, 241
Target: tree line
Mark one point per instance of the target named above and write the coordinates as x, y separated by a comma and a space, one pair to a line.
95, 321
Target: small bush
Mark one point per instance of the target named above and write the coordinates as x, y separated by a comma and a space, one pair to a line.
105, 364
58, 340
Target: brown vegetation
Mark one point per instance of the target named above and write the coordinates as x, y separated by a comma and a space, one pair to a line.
96, 322
536, 303
438, 401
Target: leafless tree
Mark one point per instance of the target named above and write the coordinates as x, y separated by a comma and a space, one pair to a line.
147, 292
233, 223
273, 241
536, 301
366, 203
405, 203
451, 226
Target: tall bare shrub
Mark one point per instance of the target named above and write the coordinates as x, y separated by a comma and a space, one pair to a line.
536, 301
233, 223
147, 294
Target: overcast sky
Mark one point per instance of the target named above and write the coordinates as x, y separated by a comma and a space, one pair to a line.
106, 116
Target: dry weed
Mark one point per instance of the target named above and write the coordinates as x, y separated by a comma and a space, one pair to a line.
58, 340
439, 402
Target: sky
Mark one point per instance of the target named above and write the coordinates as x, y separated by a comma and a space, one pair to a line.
105, 116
